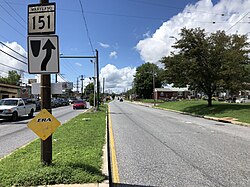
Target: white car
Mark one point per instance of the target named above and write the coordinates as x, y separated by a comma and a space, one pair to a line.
243, 100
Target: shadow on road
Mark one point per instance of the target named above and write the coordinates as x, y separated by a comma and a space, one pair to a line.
129, 185
20, 120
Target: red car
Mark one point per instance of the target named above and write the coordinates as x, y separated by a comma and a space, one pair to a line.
79, 104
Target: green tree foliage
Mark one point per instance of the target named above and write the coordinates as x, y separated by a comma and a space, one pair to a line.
143, 81
208, 63
89, 89
13, 78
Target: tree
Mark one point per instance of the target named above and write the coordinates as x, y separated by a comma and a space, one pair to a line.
208, 63
13, 78
145, 75
89, 89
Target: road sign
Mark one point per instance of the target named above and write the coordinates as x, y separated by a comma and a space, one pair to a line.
41, 18
44, 124
43, 54
56, 88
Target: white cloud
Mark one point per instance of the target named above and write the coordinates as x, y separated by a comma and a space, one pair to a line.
117, 80
147, 34
202, 14
78, 64
11, 62
113, 54
104, 45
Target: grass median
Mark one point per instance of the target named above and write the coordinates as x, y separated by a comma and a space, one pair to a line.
219, 109
77, 155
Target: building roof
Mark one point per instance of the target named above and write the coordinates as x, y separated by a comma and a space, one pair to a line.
9, 86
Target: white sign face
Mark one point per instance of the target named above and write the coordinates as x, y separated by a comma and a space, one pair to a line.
43, 54
56, 88
41, 19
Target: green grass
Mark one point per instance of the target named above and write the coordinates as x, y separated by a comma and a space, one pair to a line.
77, 155
219, 109
151, 101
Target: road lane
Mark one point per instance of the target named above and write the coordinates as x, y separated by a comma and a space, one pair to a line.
161, 148
16, 134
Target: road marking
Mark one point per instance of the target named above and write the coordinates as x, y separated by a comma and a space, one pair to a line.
116, 178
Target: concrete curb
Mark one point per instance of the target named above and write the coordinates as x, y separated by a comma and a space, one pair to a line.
224, 119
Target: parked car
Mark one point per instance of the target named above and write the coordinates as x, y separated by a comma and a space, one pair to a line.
64, 101
58, 102
79, 104
15, 107
243, 100
72, 100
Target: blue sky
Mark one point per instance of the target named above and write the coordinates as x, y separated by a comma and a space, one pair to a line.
126, 33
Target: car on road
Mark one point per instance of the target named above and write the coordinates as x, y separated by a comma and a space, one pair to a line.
16, 107
79, 104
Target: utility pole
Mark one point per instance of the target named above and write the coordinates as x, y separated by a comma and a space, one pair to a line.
46, 145
94, 93
103, 86
82, 84
97, 77
77, 82
154, 87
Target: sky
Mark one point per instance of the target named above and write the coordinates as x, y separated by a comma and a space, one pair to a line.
126, 33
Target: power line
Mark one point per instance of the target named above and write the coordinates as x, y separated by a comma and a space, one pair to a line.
113, 14
4, 72
172, 7
124, 15
70, 68
86, 26
13, 57
12, 16
15, 12
13, 68
13, 50
12, 27
237, 22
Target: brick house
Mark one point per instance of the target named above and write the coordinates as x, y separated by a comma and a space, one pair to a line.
171, 93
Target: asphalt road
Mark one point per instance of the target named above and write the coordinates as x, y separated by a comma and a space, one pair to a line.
16, 134
160, 148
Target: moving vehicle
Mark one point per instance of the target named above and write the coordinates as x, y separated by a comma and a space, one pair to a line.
16, 107
79, 104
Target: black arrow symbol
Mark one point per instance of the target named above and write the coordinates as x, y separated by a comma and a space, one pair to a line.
48, 46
